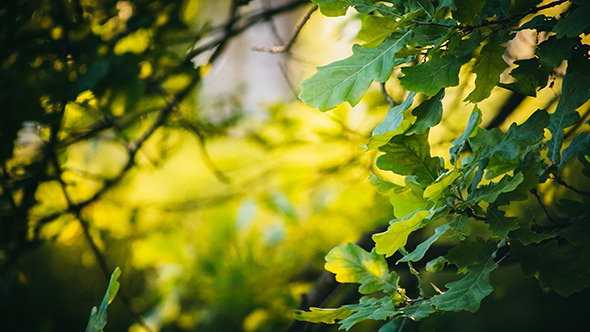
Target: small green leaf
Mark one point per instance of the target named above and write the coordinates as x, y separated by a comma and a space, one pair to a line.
381, 185
375, 29
467, 293
428, 114
553, 51
435, 190
98, 318
349, 79
575, 23
332, 8
396, 236
499, 224
470, 130
575, 91
471, 252
410, 155
418, 310
320, 315
579, 145
436, 265
369, 308
406, 200
488, 69
421, 249
530, 75
352, 263
490, 192
565, 269
392, 125
437, 73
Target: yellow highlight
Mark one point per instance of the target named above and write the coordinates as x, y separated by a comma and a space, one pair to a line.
135, 43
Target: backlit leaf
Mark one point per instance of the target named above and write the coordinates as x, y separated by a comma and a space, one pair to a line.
488, 69
575, 91
396, 236
348, 80
410, 155
352, 263
437, 73
392, 125
421, 249
98, 317
320, 315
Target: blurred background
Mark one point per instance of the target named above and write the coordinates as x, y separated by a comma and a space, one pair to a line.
165, 138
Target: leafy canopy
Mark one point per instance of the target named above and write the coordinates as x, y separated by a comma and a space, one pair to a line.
487, 170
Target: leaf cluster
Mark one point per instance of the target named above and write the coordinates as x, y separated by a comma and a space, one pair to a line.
488, 170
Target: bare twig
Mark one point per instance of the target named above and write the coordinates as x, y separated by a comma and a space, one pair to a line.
285, 48
561, 182
536, 194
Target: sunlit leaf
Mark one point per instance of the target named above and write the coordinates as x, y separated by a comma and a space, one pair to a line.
410, 155
320, 315
437, 73
369, 308
351, 263
98, 317
348, 79
393, 124
396, 236
421, 249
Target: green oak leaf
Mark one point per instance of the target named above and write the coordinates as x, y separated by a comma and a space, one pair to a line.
467, 11
578, 233
469, 252
332, 8
98, 317
410, 155
526, 236
406, 200
393, 124
382, 185
369, 308
375, 29
579, 145
565, 269
418, 253
470, 130
396, 236
490, 192
321, 315
575, 91
575, 23
349, 79
467, 293
428, 114
530, 75
499, 224
488, 69
439, 72
435, 190
352, 263
539, 23
418, 310
553, 51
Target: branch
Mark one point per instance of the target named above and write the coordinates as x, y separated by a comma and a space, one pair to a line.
560, 181
285, 48
536, 194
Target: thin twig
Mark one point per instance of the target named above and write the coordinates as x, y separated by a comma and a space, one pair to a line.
285, 48
560, 181
536, 194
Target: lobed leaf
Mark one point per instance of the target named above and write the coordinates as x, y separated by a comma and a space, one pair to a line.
349, 79
320, 315
488, 69
421, 249
467, 293
439, 72
393, 124
352, 263
396, 236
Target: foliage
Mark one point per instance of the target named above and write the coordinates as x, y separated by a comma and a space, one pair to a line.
98, 317
486, 172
